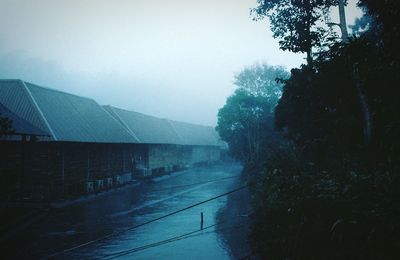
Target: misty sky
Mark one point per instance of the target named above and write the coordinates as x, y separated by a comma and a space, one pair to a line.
174, 59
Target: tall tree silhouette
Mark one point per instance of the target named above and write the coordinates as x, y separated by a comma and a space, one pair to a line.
295, 22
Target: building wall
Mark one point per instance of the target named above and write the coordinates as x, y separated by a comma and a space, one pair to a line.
44, 171
204, 154
27, 170
166, 158
47, 170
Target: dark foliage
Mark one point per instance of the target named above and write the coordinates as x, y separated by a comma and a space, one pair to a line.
295, 22
302, 212
5, 126
331, 192
320, 112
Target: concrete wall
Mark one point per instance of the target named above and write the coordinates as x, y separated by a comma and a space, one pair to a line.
166, 158
204, 154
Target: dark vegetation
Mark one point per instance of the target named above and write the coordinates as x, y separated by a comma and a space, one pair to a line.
5, 125
324, 160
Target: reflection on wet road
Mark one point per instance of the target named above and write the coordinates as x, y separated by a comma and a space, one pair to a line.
153, 220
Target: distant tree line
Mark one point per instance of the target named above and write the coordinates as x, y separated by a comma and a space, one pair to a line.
329, 189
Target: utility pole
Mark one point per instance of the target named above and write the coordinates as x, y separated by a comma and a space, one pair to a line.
343, 24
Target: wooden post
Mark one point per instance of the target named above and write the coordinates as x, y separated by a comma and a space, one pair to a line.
201, 220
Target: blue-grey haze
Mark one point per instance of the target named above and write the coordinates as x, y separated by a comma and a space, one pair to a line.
173, 59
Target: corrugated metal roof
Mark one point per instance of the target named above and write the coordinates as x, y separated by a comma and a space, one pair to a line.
15, 97
150, 129
65, 116
192, 134
20, 126
147, 129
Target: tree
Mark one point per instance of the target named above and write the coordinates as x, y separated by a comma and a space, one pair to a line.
5, 126
334, 194
246, 120
361, 24
342, 20
261, 80
343, 24
295, 22
242, 123
319, 110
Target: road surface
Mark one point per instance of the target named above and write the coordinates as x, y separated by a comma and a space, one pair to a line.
159, 219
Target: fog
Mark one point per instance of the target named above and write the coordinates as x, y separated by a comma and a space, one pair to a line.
174, 59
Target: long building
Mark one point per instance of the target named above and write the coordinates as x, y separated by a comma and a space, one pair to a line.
170, 144
73, 146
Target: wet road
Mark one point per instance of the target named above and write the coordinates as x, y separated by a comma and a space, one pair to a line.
147, 221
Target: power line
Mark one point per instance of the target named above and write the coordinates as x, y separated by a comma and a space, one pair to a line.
170, 240
159, 243
143, 224
178, 194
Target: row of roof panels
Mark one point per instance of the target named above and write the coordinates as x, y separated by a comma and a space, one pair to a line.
19, 125
67, 117
149, 129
